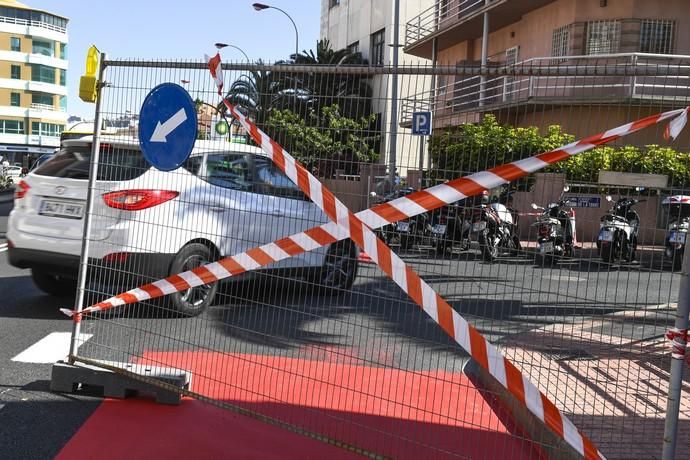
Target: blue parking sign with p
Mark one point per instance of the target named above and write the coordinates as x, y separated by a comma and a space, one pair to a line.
421, 123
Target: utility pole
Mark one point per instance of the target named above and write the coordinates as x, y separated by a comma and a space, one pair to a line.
394, 95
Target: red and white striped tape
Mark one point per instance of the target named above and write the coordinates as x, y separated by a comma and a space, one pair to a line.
347, 225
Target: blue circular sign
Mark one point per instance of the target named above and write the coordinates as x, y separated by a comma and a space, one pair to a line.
167, 126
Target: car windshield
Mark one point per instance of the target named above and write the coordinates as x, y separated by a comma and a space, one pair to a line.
115, 163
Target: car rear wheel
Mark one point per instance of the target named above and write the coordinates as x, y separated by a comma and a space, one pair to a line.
54, 284
194, 301
339, 268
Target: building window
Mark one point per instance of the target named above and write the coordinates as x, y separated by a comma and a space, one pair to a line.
15, 44
42, 73
353, 48
378, 42
15, 99
657, 36
42, 98
560, 42
63, 50
16, 72
43, 47
63, 103
39, 128
603, 37
63, 77
12, 126
333, 3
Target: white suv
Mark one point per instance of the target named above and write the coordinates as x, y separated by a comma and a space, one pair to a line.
147, 224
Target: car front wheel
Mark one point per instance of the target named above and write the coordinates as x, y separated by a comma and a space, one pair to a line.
339, 268
194, 301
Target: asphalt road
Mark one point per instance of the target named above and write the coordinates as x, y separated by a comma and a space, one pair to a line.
375, 323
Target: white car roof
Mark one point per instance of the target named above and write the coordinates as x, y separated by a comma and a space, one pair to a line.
200, 147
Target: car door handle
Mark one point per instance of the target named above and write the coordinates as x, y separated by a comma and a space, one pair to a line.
277, 212
217, 209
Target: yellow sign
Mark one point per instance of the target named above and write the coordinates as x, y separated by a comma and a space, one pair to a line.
88, 83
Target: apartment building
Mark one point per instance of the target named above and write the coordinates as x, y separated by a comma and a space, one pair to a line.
629, 33
367, 26
33, 86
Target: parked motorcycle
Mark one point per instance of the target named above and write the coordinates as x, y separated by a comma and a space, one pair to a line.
555, 230
408, 232
450, 228
496, 230
678, 207
617, 238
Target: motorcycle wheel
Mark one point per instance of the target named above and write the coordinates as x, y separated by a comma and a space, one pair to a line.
609, 252
488, 247
406, 241
516, 247
677, 261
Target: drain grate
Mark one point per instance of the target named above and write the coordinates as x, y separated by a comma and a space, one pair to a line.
569, 354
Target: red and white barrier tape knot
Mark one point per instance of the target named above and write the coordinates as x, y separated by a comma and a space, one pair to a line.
679, 340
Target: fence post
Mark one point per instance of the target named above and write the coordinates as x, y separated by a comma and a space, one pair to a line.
677, 363
633, 79
93, 170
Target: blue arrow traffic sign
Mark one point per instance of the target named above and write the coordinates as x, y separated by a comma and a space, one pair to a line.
167, 126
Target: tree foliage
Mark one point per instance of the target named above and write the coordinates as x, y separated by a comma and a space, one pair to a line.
324, 142
469, 148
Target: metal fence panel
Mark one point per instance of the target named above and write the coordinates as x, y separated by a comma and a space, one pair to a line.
356, 362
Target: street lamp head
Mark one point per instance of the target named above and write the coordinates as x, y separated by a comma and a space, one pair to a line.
221, 45
260, 6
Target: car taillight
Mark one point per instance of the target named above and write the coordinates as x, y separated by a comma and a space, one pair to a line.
116, 257
136, 200
21, 190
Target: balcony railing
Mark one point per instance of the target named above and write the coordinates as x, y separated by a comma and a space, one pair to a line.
52, 108
441, 15
30, 23
471, 94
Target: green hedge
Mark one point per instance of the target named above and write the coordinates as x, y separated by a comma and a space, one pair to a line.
475, 147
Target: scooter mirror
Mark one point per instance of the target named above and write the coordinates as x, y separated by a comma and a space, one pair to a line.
534, 206
608, 198
566, 189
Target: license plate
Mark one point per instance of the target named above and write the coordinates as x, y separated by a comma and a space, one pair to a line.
478, 226
677, 237
403, 226
546, 247
66, 209
606, 235
438, 229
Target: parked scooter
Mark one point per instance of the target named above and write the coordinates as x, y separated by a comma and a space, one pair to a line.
496, 230
677, 231
450, 228
555, 230
408, 232
617, 238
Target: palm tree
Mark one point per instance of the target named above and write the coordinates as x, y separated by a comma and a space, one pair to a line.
352, 93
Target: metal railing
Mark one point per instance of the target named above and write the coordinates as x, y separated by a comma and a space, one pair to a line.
30, 23
466, 95
48, 107
442, 14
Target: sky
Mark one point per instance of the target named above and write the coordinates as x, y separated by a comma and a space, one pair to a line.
159, 29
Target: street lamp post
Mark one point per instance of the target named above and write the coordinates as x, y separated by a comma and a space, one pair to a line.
227, 45
261, 6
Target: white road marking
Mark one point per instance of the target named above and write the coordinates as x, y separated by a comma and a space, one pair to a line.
50, 349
